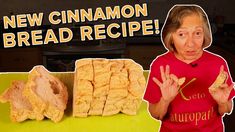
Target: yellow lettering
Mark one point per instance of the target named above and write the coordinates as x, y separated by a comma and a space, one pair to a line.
133, 27
176, 119
146, 27
86, 15
99, 30
23, 37
172, 118
99, 14
62, 37
35, 19
63, 16
204, 116
141, 10
86, 31
9, 22
73, 16
181, 117
186, 117
9, 40
109, 32
50, 37
198, 117
21, 20
36, 37
124, 31
51, 17
131, 11
191, 116
113, 14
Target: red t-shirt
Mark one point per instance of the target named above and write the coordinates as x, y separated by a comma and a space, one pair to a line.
200, 112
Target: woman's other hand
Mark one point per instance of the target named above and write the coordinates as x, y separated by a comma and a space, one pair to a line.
221, 95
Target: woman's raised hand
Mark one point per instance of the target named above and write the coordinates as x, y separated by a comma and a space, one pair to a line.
169, 85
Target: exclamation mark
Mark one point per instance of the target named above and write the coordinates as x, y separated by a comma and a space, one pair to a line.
156, 23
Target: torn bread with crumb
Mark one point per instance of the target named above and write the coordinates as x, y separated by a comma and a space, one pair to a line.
43, 95
220, 79
46, 93
20, 107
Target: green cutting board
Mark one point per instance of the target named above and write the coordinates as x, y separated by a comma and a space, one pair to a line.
142, 122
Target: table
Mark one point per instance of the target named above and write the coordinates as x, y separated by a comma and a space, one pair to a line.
142, 122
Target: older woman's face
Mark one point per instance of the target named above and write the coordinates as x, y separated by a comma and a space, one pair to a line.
188, 39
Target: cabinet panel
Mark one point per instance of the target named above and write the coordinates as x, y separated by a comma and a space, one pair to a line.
144, 54
21, 59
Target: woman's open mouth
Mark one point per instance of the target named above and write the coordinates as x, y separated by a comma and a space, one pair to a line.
191, 53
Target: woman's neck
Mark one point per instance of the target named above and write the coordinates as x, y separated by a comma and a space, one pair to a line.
190, 60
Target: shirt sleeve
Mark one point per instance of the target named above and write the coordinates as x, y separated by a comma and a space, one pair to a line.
229, 80
153, 92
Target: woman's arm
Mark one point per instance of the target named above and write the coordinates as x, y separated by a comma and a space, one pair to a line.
169, 89
221, 96
159, 109
226, 107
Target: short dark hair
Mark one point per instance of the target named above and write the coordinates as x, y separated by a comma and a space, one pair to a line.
174, 21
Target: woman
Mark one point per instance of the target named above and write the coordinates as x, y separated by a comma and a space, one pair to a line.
197, 104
